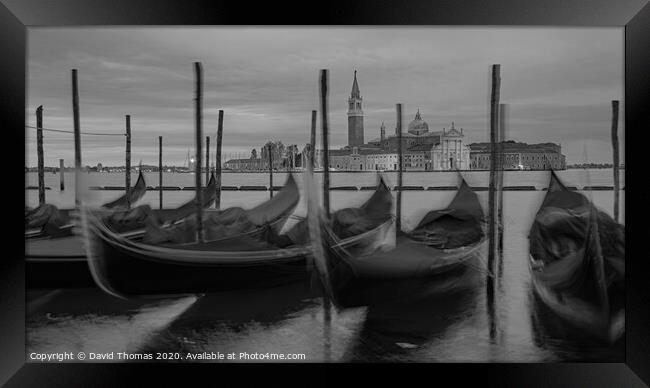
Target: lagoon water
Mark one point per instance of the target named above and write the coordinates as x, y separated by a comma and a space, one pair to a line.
291, 320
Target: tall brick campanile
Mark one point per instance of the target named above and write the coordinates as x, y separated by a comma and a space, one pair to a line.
355, 116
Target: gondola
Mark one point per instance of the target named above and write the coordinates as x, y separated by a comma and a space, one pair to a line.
127, 268
441, 256
245, 261
132, 196
577, 263
48, 221
348, 222
135, 219
60, 260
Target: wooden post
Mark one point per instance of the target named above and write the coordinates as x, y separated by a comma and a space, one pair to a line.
217, 201
326, 190
207, 159
499, 188
160, 174
127, 183
325, 134
198, 70
39, 151
61, 179
616, 161
494, 122
77, 138
270, 148
398, 210
312, 139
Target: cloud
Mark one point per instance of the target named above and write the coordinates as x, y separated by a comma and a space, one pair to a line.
558, 82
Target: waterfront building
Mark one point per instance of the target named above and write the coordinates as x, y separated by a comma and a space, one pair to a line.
519, 156
360, 159
284, 157
423, 149
249, 164
450, 153
381, 161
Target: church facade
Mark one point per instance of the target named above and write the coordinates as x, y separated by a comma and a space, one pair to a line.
451, 153
422, 149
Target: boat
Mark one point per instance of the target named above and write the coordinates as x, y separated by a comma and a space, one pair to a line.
59, 261
56, 263
230, 259
577, 263
347, 222
132, 196
135, 219
126, 268
48, 221
441, 256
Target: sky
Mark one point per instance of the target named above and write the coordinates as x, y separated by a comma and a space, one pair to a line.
558, 84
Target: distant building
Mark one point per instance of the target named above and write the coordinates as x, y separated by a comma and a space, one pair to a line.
422, 149
355, 115
520, 156
246, 164
282, 157
368, 159
450, 153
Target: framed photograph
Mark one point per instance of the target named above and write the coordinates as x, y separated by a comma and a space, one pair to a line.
441, 186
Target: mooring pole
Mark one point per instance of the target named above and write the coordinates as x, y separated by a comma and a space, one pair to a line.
61, 178
198, 71
77, 138
127, 184
39, 151
398, 210
325, 133
312, 139
324, 83
207, 160
217, 201
499, 188
269, 146
494, 122
616, 161
160, 174
494, 129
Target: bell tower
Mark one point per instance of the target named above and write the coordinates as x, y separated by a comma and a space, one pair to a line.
355, 115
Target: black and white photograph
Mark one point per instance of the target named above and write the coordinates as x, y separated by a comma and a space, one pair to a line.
338, 194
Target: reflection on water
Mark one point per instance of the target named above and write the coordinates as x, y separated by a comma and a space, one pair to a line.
408, 331
287, 319
569, 343
292, 319
87, 320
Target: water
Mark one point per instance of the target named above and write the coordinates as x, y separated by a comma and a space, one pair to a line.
290, 320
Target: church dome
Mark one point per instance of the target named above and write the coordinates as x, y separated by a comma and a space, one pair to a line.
418, 126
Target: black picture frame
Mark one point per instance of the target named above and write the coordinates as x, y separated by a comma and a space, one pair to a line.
17, 15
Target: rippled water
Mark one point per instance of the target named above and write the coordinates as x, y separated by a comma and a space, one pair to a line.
290, 320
